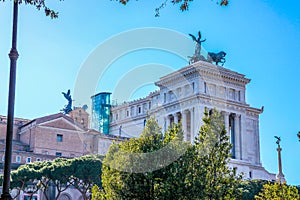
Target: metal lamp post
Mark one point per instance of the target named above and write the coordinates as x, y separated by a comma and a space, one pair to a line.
13, 55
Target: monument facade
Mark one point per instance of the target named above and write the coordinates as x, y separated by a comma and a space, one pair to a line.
183, 96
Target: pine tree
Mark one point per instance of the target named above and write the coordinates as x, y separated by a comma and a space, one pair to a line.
214, 178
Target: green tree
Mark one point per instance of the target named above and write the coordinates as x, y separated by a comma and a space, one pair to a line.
21, 177
32, 173
250, 188
60, 173
150, 167
82, 173
86, 172
161, 166
214, 178
278, 191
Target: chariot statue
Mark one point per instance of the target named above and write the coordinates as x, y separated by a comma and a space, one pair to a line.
211, 57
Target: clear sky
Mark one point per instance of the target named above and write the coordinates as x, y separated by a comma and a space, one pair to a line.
261, 39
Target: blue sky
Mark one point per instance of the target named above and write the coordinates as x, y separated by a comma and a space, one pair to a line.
261, 38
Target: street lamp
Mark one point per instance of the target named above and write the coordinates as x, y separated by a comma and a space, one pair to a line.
13, 55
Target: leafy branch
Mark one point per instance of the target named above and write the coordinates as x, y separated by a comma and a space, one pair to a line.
40, 5
183, 4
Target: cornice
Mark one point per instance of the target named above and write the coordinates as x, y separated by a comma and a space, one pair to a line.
206, 70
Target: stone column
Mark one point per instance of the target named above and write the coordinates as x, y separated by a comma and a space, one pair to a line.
244, 138
184, 125
257, 150
280, 176
167, 122
175, 118
196, 86
197, 118
237, 135
226, 121
192, 133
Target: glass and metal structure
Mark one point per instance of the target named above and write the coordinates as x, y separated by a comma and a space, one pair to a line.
101, 112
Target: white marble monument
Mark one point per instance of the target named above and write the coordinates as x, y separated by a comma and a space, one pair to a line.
183, 95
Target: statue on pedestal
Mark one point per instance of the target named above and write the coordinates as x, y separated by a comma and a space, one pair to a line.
211, 57
197, 55
280, 176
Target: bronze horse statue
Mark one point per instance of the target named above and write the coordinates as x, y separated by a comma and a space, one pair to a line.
216, 57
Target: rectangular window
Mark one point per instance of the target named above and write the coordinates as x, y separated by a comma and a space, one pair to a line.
231, 94
205, 88
18, 159
28, 160
59, 138
193, 87
165, 97
140, 110
132, 111
170, 94
239, 95
58, 154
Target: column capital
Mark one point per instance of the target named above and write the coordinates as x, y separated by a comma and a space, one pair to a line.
225, 113
236, 115
185, 111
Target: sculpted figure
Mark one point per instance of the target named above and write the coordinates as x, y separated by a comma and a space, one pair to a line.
216, 57
278, 140
197, 55
68, 107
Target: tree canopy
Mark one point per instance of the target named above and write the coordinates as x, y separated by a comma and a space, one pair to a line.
81, 173
213, 153
278, 191
250, 188
140, 169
